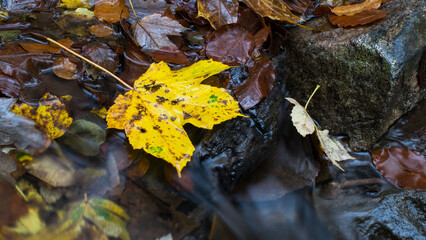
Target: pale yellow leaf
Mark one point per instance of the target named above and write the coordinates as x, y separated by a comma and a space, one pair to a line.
301, 119
333, 149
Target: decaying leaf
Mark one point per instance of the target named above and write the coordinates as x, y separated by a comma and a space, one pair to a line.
159, 28
101, 30
401, 167
50, 116
45, 48
362, 18
17, 130
353, 9
111, 10
218, 12
274, 9
259, 83
65, 68
231, 45
162, 101
301, 119
105, 214
305, 125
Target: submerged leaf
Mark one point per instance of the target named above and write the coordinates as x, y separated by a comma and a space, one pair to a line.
154, 112
274, 9
158, 28
350, 10
401, 167
218, 12
50, 116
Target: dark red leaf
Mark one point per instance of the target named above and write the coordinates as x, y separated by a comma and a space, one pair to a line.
248, 19
170, 55
401, 167
13, 206
362, 18
231, 45
261, 36
258, 85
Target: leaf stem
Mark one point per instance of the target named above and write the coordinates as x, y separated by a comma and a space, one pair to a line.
140, 24
306, 105
94, 64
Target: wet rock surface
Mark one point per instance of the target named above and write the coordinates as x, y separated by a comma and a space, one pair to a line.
368, 75
238, 146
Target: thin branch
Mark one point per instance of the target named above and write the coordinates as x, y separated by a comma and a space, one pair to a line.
94, 64
140, 24
306, 106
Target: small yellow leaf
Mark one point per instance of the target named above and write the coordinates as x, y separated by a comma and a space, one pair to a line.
162, 101
102, 113
350, 10
81, 12
333, 149
75, 4
50, 116
301, 119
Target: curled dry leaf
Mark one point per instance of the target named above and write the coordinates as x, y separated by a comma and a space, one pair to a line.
231, 45
301, 119
50, 116
162, 101
362, 18
259, 83
111, 10
353, 9
159, 28
218, 12
101, 30
401, 167
274, 9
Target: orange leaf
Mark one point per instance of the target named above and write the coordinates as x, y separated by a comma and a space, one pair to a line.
353, 9
362, 18
111, 10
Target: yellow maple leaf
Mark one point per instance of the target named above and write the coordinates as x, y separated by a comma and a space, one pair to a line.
162, 101
50, 116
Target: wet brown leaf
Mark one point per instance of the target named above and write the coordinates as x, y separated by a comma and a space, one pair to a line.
274, 9
101, 30
12, 205
248, 19
45, 48
170, 55
101, 54
362, 18
258, 85
159, 28
189, 11
299, 6
66, 68
144, 8
111, 10
353, 9
230, 45
401, 167
218, 12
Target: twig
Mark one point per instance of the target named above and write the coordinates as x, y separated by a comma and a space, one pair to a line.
306, 106
140, 24
94, 64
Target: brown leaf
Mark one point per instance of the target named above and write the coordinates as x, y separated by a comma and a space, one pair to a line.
231, 45
9, 86
111, 10
67, 68
401, 167
101, 54
144, 8
353, 9
183, 183
362, 18
189, 11
45, 48
260, 37
159, 28
170, 55
299, 6
101, 30
248, 19
258, 85
274, 9
218, 12
13, 206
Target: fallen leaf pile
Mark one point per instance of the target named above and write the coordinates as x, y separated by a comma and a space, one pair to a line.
162, 101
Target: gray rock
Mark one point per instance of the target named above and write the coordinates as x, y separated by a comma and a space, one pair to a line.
239, 145
368, 74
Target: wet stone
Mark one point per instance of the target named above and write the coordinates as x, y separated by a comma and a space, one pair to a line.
368, 75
